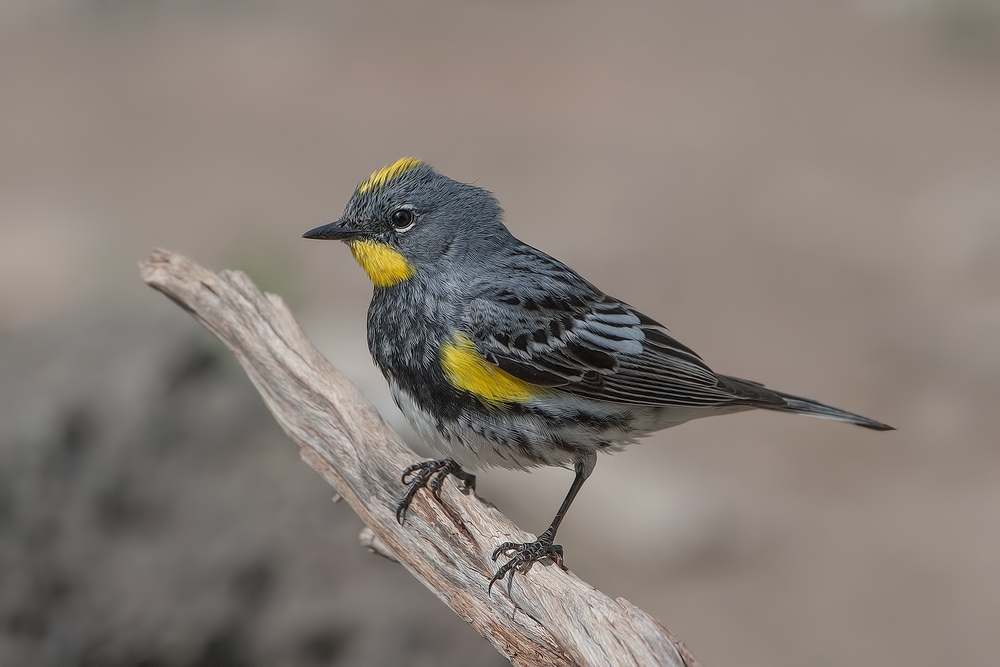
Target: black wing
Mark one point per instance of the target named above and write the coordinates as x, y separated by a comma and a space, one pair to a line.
553, 328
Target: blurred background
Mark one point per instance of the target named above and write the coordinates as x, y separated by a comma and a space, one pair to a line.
806, 193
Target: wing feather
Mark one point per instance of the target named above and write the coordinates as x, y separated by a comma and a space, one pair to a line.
557, 330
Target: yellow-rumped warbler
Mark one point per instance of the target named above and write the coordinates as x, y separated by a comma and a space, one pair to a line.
500, 355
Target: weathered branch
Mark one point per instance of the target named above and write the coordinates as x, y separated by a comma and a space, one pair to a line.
550, 618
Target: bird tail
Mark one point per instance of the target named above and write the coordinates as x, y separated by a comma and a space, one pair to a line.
798, 405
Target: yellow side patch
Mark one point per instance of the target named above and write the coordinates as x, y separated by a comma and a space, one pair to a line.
466, 370
387, 173
384, 265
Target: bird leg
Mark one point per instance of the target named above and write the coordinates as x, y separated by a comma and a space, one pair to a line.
523, 555
430, 474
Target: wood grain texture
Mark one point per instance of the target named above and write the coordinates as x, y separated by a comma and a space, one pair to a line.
550, 617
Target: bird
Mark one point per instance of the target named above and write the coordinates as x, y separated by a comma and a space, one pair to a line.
500, 355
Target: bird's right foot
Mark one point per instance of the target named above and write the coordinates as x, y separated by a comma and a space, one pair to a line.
522, 556
430, 474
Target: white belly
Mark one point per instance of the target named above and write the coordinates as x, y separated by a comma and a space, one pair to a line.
480, 444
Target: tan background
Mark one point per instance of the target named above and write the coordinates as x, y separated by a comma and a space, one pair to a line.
806, 193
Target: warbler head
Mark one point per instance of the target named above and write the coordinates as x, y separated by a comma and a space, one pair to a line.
406, 218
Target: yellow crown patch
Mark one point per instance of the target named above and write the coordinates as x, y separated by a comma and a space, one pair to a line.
378, 179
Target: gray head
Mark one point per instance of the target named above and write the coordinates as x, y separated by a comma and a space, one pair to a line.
406, 217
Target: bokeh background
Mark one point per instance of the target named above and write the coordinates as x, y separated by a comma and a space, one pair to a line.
806, 193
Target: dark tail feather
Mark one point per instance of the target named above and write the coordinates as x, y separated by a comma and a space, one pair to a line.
798, 405
804, 406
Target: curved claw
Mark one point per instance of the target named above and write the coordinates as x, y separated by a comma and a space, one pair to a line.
436, 481
522, 557
504, 549
429, 474
500, 574
404, 503
410, 470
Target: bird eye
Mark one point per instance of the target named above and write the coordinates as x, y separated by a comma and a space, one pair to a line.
403, 219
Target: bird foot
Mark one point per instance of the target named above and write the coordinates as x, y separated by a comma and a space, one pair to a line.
430, 474
522, 556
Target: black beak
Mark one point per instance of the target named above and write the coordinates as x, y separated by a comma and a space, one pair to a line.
334, 231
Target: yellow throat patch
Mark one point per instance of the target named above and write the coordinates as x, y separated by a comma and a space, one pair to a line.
387, 173
466, 370
384, 265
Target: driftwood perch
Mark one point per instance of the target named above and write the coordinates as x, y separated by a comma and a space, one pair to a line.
550, 618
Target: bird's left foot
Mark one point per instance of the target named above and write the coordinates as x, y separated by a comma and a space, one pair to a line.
523, 555
430, 474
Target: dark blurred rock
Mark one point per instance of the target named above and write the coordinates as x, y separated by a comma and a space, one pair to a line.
152, 513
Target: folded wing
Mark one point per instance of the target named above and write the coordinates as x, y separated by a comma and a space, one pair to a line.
557, 330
